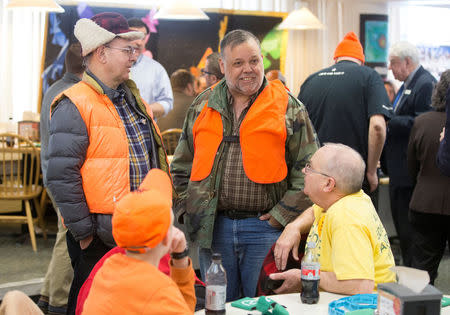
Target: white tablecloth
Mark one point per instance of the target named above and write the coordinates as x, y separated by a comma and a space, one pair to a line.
295, 306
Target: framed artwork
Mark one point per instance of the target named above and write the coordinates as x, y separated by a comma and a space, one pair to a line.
373, 30
174, 44
29, 129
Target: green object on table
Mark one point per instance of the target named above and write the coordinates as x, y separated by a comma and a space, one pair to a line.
279, 310
445, 301
245, 303
264, 304
366, 311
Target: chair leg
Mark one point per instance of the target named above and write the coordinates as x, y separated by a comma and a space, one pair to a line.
30, 225
43, 200
40, 216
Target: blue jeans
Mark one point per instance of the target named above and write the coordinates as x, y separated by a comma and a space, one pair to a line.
243, 245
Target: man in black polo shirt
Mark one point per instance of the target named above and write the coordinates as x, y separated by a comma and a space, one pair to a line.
348, 104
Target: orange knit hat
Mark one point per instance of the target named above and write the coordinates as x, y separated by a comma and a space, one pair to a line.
350, 47
143, 217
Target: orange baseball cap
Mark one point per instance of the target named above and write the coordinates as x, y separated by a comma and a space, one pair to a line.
143, 217
350, 47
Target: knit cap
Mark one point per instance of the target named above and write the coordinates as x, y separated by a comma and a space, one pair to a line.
143, 217
350, 47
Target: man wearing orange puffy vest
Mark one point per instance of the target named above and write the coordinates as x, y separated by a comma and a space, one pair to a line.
237, 167
103, 141
131, 283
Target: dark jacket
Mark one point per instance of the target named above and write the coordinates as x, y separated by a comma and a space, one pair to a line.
66, 82
432, 191
416, 100
68, 144
443, 157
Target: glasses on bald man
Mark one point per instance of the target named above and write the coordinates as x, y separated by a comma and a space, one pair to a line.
309, 169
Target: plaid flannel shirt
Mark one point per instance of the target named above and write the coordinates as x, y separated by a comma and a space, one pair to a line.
137, 129
138, 135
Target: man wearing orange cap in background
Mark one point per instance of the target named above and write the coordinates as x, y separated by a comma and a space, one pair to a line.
348, 104
131, 283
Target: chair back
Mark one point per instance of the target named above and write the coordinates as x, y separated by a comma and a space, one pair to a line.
170, 139
20, 167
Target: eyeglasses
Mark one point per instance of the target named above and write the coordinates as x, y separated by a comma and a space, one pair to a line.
309, 169
206, 72
131, 51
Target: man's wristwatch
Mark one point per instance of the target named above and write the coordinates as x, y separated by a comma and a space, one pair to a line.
180, 255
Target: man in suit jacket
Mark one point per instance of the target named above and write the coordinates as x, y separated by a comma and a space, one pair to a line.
412, 99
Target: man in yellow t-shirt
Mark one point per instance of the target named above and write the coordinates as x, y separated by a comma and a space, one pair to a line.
353, 247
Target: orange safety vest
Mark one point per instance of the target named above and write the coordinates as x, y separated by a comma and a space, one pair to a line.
106, 170
262, 137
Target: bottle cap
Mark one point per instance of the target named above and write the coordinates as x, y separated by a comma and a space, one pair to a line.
216, 256
311, 244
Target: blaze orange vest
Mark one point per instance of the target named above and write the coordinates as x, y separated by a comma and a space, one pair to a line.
106, 170
262, 137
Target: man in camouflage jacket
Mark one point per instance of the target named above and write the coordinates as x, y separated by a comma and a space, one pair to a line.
225, 211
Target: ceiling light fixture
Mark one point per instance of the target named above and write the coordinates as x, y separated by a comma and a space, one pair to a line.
43, 5
301, 19
180, 10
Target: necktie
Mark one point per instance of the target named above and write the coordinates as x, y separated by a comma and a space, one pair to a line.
399, 96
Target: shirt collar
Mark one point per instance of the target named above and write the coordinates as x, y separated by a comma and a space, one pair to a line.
111, 93
138, 60
252, 98
411, 76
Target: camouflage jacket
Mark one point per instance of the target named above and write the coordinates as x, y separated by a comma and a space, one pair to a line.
196, 202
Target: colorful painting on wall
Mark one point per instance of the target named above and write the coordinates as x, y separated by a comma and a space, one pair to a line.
374, 38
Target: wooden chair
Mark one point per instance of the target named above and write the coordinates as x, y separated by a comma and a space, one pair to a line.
19, 180
170, 139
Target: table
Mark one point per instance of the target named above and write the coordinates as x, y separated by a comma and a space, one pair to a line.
293, 303
295, 306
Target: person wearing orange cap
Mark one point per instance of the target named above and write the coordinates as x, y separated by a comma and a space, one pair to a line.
348, 104
130, 282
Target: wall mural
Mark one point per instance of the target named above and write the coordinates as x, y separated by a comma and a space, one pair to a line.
174, 44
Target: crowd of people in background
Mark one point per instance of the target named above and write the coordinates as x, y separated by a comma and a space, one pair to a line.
256, 170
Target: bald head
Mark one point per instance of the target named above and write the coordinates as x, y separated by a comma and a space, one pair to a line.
344, 164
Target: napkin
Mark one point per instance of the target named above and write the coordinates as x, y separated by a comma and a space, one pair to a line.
412, 278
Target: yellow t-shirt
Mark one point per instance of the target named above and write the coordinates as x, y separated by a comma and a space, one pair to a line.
351, 240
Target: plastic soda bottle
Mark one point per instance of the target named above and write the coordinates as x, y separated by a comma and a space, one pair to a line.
216, 287
310, 275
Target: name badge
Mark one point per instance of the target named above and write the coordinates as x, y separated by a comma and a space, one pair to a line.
407, 92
